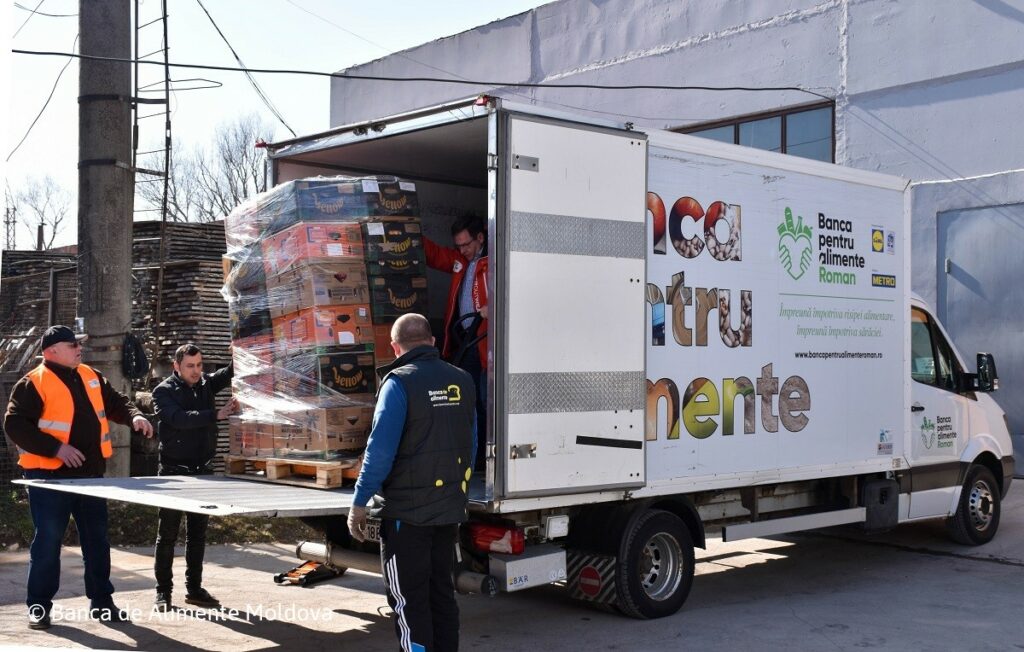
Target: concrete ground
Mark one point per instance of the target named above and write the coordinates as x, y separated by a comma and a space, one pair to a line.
838, 589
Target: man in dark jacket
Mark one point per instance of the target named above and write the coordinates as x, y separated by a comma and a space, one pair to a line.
58, 417
419, 458
188, 443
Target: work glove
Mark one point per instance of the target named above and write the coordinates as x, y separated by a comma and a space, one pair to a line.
357, 523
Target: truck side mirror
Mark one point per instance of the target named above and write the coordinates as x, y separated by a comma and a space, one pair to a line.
988, 378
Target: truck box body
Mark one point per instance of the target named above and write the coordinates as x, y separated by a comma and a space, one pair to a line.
709, 312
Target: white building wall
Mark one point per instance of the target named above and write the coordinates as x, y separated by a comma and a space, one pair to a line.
926, 89
931, 90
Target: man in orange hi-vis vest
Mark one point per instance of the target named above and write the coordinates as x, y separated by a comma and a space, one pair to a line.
58, 417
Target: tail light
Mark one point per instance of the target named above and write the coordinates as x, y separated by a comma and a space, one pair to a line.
495, 538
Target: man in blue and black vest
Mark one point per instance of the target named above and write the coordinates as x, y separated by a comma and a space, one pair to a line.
419, 459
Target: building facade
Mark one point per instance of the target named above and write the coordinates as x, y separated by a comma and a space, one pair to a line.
929, 90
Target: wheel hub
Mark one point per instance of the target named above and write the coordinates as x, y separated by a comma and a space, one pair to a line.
661, 566
981, 505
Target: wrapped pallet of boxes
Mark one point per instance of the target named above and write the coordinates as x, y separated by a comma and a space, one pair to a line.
317, 272
340, 199
396, 270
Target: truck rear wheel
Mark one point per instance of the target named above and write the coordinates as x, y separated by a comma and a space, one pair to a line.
977, 514
655, 566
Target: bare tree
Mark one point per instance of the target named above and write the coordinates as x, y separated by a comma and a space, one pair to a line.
43, 202
207, 183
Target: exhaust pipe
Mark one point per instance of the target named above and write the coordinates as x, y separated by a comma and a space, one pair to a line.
469, 582
340, 557
325, 553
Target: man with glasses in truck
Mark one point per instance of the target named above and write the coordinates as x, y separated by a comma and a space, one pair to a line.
465, 317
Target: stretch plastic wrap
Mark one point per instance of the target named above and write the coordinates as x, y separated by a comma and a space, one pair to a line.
316, 272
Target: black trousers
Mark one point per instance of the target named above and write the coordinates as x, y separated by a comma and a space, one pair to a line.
168, 524
169, 521
471, 363
418, 562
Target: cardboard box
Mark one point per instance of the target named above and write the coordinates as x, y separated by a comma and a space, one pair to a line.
394, 248
250, 438
343, 371
248, 221
382, 351
249, 318
324, 326
311, 284
394, 295
327, 432
317, 242
243, 270
254, 388
328, 200
250, 352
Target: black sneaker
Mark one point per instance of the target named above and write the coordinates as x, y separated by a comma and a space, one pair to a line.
163, 601
38, 620
108, 614
202, 598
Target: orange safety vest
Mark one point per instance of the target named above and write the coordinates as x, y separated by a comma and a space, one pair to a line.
59, 411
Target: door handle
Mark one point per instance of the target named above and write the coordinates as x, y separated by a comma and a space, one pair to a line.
917, 408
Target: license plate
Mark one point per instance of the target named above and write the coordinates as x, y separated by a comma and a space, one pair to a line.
373, 529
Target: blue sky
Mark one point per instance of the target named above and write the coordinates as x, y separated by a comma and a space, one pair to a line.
265, 33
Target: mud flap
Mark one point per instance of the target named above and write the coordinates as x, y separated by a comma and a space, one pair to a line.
591, 577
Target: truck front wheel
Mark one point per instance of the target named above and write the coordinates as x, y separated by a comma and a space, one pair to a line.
655, 566
977, 514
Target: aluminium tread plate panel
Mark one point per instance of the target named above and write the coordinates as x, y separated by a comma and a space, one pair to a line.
213, 495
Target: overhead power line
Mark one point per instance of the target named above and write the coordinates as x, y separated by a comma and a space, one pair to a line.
32, 12
71, 57
42, 13
252, 80
437, 80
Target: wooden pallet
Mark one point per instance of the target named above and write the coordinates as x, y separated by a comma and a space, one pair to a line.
320, 474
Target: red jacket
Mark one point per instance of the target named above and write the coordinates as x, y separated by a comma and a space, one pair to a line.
450, 260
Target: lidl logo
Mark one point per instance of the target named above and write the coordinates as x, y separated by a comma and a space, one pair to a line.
883, 280
795, 246
877, 240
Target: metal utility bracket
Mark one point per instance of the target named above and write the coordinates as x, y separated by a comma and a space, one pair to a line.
528, 163
523, 451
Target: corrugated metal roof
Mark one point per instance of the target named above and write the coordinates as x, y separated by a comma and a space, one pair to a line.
211, 494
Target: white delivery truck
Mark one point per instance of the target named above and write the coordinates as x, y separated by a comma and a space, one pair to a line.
682, 334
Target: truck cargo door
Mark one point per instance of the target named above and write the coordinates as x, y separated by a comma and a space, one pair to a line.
571, 374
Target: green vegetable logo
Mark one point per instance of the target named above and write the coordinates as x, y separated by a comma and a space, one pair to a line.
795, 248
928, 432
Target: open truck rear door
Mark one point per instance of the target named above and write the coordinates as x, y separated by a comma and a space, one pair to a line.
574, 281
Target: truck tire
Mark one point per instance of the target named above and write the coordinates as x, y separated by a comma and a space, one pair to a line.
655, 566
977, 514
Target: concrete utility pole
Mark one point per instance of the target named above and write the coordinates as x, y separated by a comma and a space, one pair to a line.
105, 187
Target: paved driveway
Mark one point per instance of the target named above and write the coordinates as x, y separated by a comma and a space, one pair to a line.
838, 589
